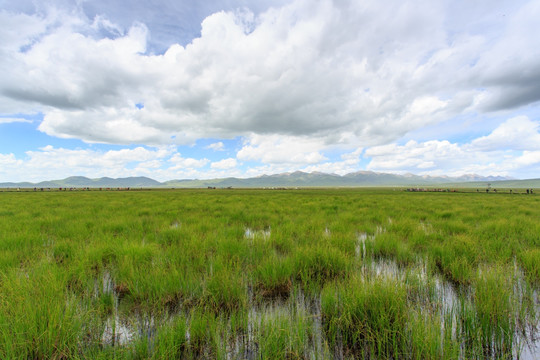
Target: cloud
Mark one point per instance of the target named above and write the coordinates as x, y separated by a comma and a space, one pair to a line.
6, 120
218, 146
50, 156
518, 133
498, 153
277, 149
338, 167
511, 67
502, 152
187, 163
414, 156
528, 158
224, 164
353, 156
350, 162
334, 71
7, 160
51, 162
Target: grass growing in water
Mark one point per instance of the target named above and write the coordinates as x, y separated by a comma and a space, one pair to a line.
368, 317
73, 265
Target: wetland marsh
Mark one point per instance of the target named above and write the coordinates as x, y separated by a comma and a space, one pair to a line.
255, 274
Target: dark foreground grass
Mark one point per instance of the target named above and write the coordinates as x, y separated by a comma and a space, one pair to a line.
268, 274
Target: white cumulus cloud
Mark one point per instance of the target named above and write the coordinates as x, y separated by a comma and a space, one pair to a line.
277, 149
364, 73
187, 163
51, 162
224, 164
502, 152
218, 146
519, 133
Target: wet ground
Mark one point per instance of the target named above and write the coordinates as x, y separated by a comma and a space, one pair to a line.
438, 297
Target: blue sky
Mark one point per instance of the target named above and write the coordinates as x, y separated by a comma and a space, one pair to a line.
192, 89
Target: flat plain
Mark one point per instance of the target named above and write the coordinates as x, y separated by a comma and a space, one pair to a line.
269, 274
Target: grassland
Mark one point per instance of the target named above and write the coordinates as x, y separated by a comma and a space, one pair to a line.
298, 274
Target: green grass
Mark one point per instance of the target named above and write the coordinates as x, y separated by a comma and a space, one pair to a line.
369, 316
439, 275
282, 336
494, 307
530, 261
39, 318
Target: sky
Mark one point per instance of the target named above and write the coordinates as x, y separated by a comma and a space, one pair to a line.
205, 89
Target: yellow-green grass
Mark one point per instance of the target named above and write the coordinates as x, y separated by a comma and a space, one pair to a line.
395, 274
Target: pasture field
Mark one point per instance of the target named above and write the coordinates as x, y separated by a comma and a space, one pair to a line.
269, 274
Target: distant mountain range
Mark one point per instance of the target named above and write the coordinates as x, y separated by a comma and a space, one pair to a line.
294, 179
81, 181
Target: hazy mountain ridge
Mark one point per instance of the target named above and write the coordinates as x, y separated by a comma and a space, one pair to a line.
81, 181
291, 179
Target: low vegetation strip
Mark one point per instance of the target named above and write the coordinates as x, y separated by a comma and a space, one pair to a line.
254, 274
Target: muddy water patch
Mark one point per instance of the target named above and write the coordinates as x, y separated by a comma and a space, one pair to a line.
124, 328
363, 239
426, 227
107, 284
252, 234
479, 319
120, 329
530, 349
293, 325
116, 332
360, 247
327, 232
430, 292
528, 326
282, 327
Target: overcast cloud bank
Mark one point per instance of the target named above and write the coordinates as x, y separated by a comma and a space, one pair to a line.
295, 82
